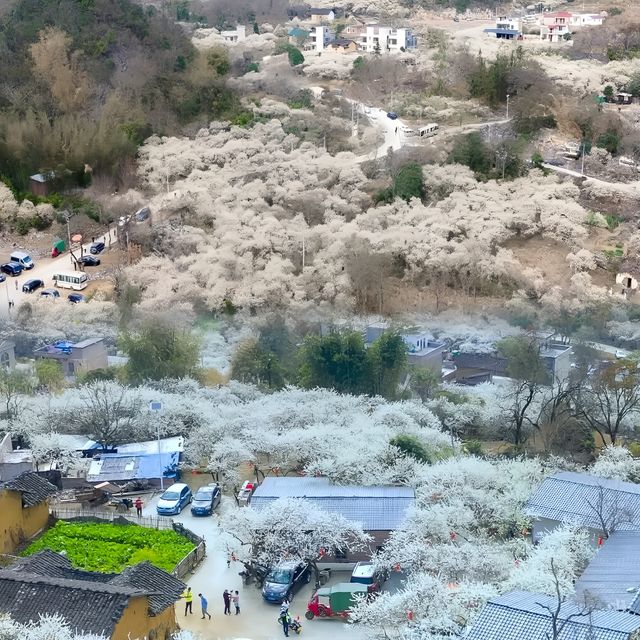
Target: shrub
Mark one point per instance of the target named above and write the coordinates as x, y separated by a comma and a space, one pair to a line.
411, 446
610, 141
409, 182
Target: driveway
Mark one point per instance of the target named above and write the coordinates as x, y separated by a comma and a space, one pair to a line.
257, 620
11, 288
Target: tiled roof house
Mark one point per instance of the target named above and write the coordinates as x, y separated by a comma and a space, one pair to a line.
136, 603
585, 500
525, 616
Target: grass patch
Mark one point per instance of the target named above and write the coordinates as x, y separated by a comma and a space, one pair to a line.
109, 548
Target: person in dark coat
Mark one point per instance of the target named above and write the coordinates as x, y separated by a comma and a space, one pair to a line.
226, 596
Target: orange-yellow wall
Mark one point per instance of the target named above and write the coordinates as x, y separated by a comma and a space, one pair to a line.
136, 623
18, 524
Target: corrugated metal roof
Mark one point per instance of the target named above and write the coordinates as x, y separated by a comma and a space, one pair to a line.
380, 508
613, 575
522, 616
581, 498
122, 466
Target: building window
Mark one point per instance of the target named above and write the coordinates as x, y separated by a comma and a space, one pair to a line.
393, 41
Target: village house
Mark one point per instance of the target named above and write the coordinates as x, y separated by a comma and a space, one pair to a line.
76, 358
13, 462
234, 35
599, 504
519, 615
137, 603
555, 26
24, 509
374, 38
380, 510
612, 578
343, 45
506, 28
318, 16
628, 276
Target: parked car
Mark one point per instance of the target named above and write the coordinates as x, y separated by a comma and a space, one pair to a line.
392, 116
23, 259
2, 277
96, 248
89, 261
284, 580
76, 297
11, 269
50, 293
367, 574
31, 285
206, 500
142, 214
174, 500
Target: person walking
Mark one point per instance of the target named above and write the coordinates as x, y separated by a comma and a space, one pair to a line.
235, 598
285, 618
203, 605
188, 601
138, 506
16, 285
226, 596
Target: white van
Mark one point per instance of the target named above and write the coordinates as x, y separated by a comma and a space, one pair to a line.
23, 259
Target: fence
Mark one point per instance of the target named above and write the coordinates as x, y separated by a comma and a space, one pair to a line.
151, 522
185, 566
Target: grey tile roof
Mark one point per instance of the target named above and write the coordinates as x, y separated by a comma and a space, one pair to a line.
521, 616
613, 575
46, 583
376, 508
34, 488
579, 498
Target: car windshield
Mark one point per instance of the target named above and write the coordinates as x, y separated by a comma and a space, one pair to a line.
170, 495
204, 494
280, 576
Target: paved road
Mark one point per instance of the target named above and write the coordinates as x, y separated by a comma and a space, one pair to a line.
565, 171
258, 620
11, 288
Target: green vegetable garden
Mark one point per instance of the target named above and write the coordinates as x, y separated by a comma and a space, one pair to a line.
109, 548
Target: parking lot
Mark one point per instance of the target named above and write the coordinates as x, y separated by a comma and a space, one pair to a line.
257, 620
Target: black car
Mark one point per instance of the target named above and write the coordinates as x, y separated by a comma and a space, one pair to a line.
31, 285
392, 116
89, 261
75, 298
284, 580
206, 500
11, 269
96, 248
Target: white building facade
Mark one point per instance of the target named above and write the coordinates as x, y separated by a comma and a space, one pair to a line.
386, 39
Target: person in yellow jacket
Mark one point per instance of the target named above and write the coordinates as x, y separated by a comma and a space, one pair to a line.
188, 601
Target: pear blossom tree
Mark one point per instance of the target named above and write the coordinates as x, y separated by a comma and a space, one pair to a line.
290, 529
47, 628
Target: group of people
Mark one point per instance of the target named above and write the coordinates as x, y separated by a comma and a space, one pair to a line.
229, 597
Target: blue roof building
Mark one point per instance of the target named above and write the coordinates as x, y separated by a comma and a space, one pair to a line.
526, 616
123, 467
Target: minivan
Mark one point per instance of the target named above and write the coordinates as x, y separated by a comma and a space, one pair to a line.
23, 259
174, 500
367, 573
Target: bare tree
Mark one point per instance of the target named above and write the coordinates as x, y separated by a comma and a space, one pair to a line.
608, 511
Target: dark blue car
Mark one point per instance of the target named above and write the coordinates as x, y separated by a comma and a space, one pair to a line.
206, 500
392, 116
283, 581
11, 269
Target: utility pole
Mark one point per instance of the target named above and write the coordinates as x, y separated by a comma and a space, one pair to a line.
508, 96
583, 154
303, 251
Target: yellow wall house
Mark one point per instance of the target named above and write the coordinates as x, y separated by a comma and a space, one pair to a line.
24, 509
137, 604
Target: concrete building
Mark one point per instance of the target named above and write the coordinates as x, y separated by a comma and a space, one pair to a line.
7, 355
137, 603
506, 28
318, 39
424, 351
76, 358
555, 26
24, 509
234, 35
380, 510
374, 38
13, 462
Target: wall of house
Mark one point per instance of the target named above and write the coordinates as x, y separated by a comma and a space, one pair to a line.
625, 279
431, 360
543, 526
137, 624
18, 524
92, 357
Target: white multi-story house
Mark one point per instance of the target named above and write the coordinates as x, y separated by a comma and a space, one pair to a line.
506, 28
318, 40
235, 35
375, 38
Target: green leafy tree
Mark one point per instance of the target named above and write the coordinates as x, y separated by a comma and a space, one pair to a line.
387, 358
295, 55
256, 28
336, 361
472, 151
411, 446
159, 350
425, 383
609, 140
14, 386
409, 182
50, 375
254, 364
608, 92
